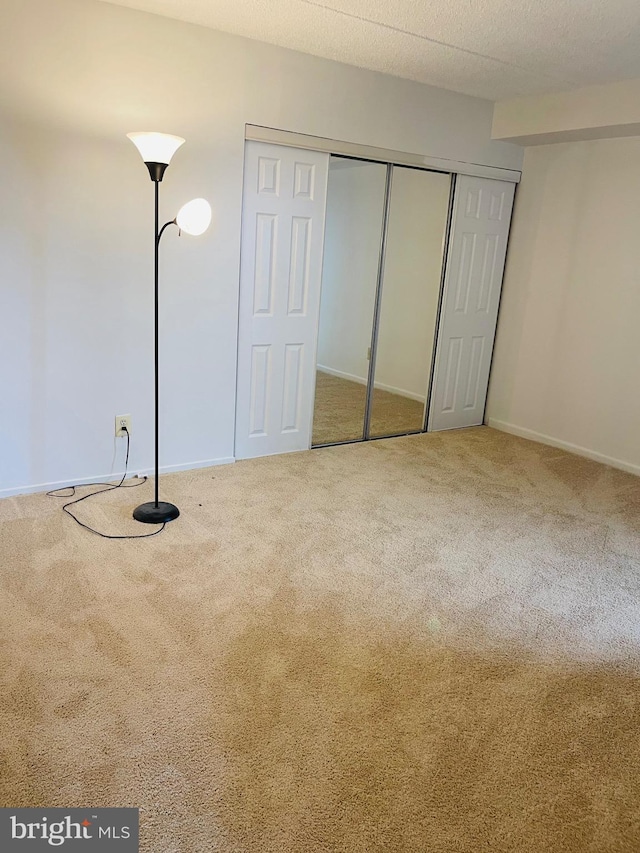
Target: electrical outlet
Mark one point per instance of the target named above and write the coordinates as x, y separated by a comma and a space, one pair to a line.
123, 421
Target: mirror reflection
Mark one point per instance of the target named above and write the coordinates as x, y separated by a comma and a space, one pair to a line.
417, 221
353, 233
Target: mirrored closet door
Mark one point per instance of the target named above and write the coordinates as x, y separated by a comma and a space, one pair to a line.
383, 253
409, 297
356, 192
369, 294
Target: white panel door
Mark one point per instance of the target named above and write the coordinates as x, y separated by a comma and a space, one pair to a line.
281, 269
477, 250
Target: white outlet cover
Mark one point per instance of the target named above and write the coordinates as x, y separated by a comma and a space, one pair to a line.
120, 433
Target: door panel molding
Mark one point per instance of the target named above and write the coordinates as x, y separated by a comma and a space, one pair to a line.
473, 282
281, 252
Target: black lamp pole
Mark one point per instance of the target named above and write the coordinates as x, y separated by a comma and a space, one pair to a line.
157, 511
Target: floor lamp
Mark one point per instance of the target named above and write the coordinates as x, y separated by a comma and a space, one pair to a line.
156, 150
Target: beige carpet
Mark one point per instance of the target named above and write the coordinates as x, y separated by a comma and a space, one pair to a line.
423, 644
338, 413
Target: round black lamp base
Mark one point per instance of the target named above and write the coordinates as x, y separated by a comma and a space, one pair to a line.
152, 513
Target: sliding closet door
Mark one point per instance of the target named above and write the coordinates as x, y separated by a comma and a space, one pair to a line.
477, 249
281, 265
409, 295
352, 245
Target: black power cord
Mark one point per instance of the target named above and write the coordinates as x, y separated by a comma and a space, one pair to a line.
107, 487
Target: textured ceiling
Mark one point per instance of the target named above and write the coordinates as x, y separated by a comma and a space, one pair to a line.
491, 48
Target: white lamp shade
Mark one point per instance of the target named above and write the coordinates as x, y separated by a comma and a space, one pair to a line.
156, 147
194, 217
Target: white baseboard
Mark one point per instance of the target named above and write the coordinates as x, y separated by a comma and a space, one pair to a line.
107, 478
401, 392
379, 385
190, 466
540, 437
341, 375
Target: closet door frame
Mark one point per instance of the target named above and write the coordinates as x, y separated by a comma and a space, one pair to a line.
389, 159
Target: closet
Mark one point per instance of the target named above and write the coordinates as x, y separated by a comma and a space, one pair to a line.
369, 295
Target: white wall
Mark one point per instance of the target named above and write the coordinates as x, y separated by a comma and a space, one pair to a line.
75, 218
567, 357
607, 111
